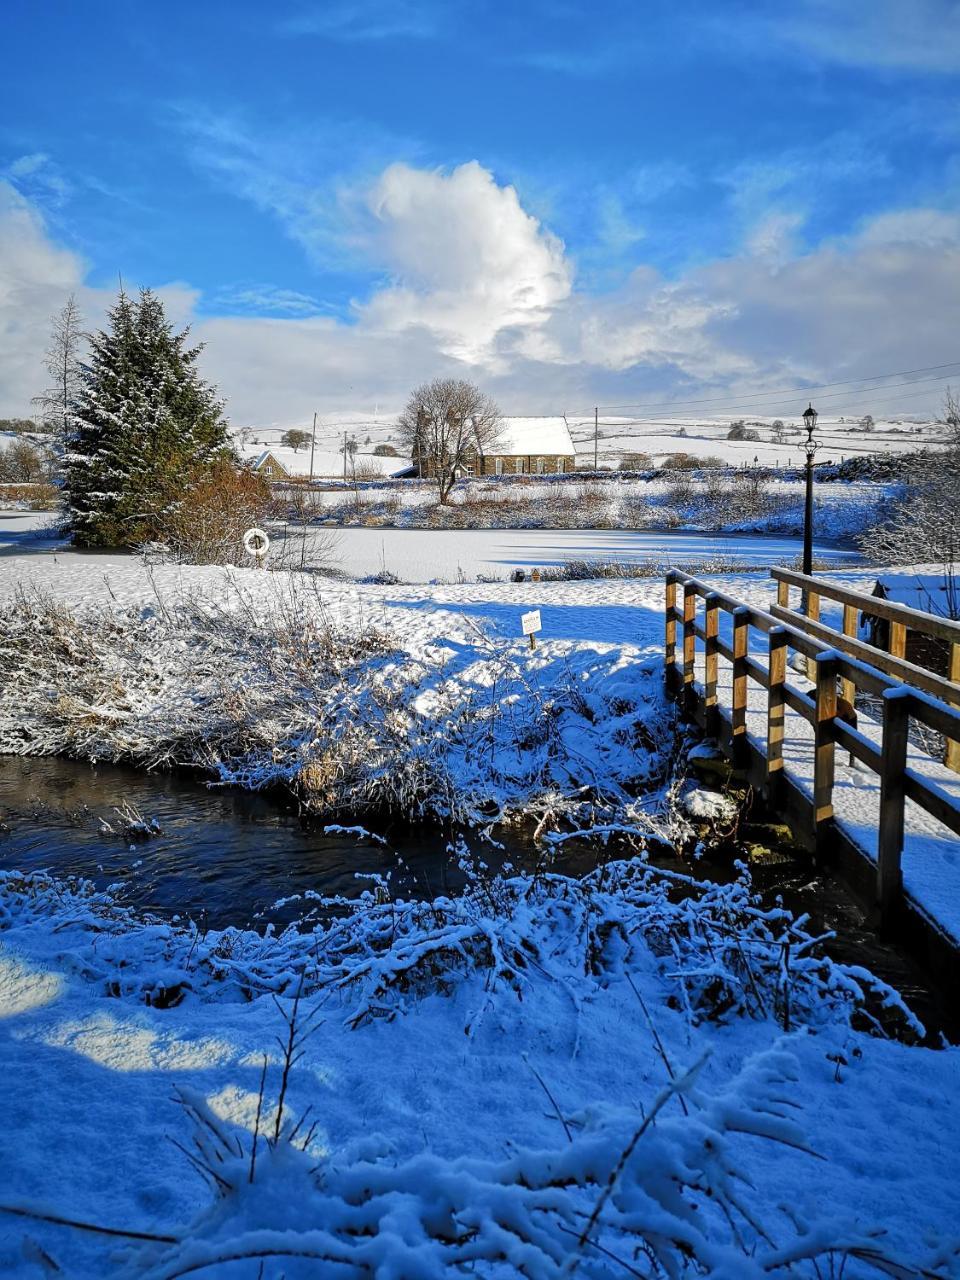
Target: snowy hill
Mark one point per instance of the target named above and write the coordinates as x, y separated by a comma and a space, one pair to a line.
840, 437
707, 437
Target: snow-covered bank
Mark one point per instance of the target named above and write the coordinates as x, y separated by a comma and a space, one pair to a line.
268, 684
487, 1077
713, 502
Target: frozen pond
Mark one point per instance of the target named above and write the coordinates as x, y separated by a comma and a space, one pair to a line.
449, 555
425, 555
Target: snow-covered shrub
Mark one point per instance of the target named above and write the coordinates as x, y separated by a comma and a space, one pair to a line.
657, 1186
921, 525
723, 953
209, 511
29, 497
274, 694
720, 953
661, 1188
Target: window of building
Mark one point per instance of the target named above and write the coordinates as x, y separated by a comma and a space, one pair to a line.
519, 466
559, 465
498, 466
540, 466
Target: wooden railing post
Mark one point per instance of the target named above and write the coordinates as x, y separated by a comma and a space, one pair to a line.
711, 663
893, 763
670, 639
952, 755
776, 708
738, 709
823, 761
898, 640
811, 610
783, 594
848, 690
689, 644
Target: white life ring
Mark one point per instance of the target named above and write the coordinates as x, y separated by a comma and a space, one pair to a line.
256, 543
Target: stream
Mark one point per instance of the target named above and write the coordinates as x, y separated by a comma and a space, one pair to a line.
226, 857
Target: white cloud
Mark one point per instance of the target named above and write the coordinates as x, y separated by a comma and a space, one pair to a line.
35, 278
927, 227
912, 35
478, 287
466, 260
265, 299
40, 176
773, 237
887, 298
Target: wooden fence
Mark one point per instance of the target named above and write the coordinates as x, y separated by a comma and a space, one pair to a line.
900, 703
893, 662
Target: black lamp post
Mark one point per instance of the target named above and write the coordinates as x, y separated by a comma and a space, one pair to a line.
810, 447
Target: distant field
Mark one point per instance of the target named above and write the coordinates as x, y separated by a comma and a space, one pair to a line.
701, 437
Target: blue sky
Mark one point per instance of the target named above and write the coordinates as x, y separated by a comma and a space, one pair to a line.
566, 201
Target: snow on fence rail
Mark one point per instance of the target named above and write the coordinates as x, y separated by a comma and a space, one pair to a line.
901, 702
902, 620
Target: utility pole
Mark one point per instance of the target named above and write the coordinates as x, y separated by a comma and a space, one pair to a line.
313, 445
596, 435
345, 457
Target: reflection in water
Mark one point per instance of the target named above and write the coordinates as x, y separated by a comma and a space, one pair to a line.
223, 856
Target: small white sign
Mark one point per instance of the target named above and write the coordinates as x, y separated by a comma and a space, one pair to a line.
256, 543
530, 622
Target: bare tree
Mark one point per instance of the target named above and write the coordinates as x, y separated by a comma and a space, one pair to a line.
446, 424
922, 526
951, 414
295, 439
62, 362
23, 463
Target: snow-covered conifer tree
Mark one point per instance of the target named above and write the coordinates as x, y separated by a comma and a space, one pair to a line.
144, 423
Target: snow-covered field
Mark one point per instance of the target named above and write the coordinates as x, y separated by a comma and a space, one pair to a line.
706, 436
494, 1081
839, 437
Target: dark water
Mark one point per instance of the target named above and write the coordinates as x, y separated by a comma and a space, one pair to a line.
223, 856
226, 857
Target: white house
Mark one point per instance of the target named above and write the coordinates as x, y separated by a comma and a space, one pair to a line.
526, 446
282, 463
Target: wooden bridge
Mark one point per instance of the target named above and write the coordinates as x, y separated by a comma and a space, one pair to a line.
890, 823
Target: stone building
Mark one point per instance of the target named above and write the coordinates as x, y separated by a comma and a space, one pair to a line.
527, 446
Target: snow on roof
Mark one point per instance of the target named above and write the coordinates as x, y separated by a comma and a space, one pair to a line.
329, 464
527, 436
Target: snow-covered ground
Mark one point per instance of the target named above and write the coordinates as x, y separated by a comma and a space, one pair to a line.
466, 1055
839, 437
472, 1085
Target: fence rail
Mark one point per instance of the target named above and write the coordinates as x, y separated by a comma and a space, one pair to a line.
901, 702
902, 620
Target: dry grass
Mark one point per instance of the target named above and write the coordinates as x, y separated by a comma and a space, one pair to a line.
30, 497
